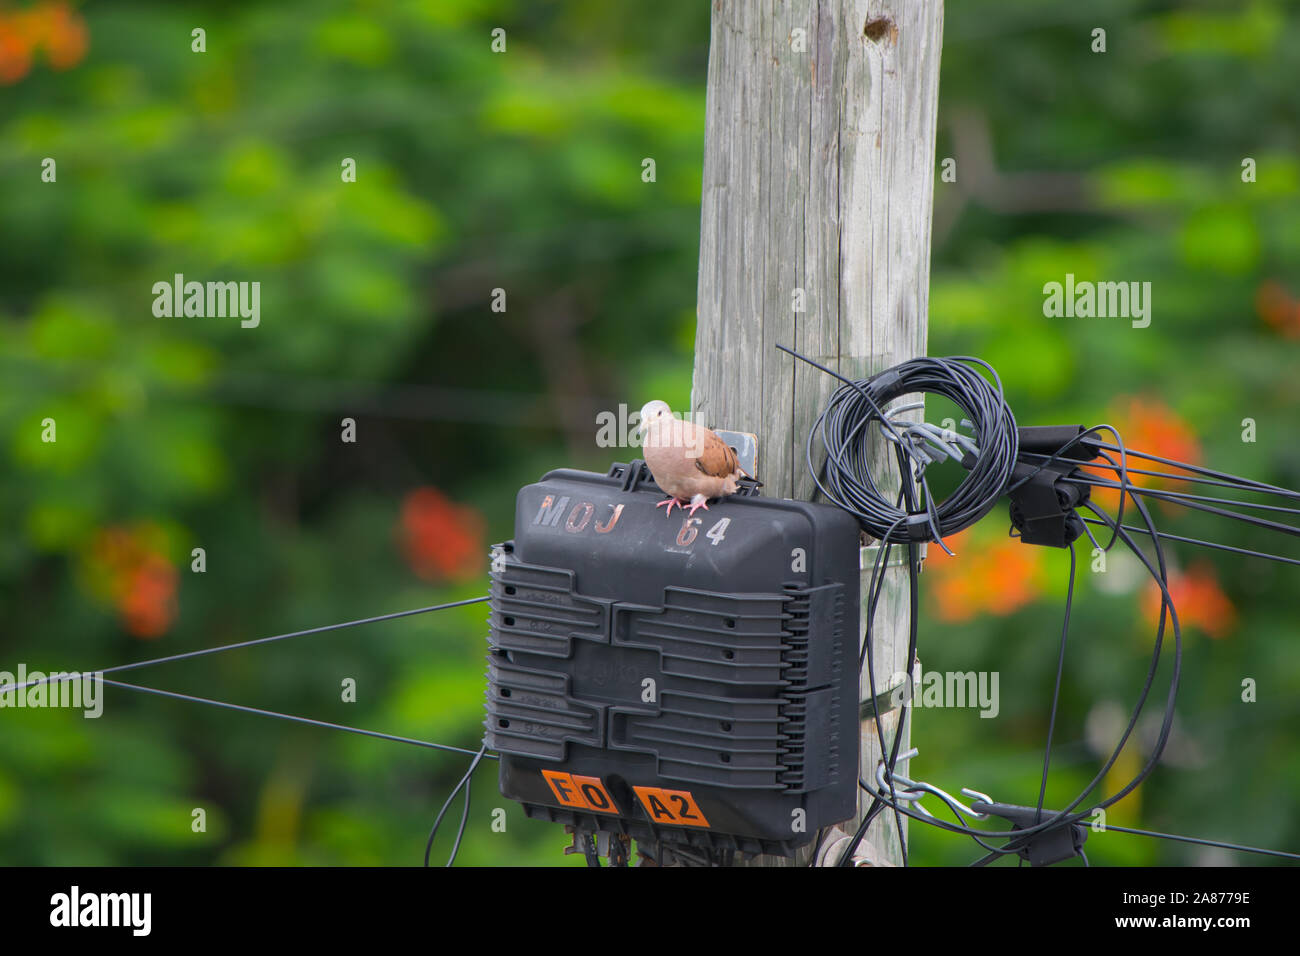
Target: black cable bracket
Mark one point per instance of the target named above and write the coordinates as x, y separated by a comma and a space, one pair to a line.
1050, 845
1044, 499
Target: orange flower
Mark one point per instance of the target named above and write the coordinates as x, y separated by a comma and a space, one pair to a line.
1198, 600
51, 26
15, 49
66, 38
1276, 307
148, 605
126, 567
996, 577
439, 538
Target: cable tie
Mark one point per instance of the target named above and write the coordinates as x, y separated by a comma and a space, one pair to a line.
918, 526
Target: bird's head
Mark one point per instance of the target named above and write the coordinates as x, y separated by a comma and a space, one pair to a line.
652, 412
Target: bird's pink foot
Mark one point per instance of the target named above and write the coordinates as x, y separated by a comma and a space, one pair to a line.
698, 502
670, 501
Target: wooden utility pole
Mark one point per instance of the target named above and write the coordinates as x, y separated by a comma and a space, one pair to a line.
819, 165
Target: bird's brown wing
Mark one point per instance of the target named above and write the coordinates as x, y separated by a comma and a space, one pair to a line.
716, 457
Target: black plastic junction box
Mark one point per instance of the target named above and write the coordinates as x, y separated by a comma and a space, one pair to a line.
688, 680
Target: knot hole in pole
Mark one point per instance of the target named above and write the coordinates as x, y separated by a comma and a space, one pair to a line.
878, 28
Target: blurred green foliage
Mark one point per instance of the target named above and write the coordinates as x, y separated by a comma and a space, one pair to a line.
522, 171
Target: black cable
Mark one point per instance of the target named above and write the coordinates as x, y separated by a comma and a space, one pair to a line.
1175, 837
1250, 483
1056, 691
817, 846
1202, 544
846, 480
1241, 484
874, 589
873, 811
186, 655
1167, 615
1202, 842
843, 429
1176, 497
914, 614
1167, 612
950, 803
290, 717
464, 818
464, 782
1191, 502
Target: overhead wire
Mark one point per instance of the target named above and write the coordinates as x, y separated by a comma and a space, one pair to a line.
888, 535
460, 833
910, 517
204, 651
465, 781
846, 479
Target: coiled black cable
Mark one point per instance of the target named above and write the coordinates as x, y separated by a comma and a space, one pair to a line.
843, 429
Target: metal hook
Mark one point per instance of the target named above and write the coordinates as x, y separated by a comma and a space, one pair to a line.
936, 436
907, 793
943, 440
974, 795
914, 790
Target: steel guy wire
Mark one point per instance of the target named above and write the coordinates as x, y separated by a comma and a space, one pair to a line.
290, 717
201, 652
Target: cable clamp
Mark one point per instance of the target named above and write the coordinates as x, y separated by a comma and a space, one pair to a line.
1045, 847
1043, 497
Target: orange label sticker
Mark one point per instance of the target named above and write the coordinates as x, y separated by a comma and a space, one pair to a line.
580, 793
673, 807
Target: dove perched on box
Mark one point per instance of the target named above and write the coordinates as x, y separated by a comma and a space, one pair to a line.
688, 461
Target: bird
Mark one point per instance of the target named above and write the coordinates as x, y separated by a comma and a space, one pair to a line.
688, 461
